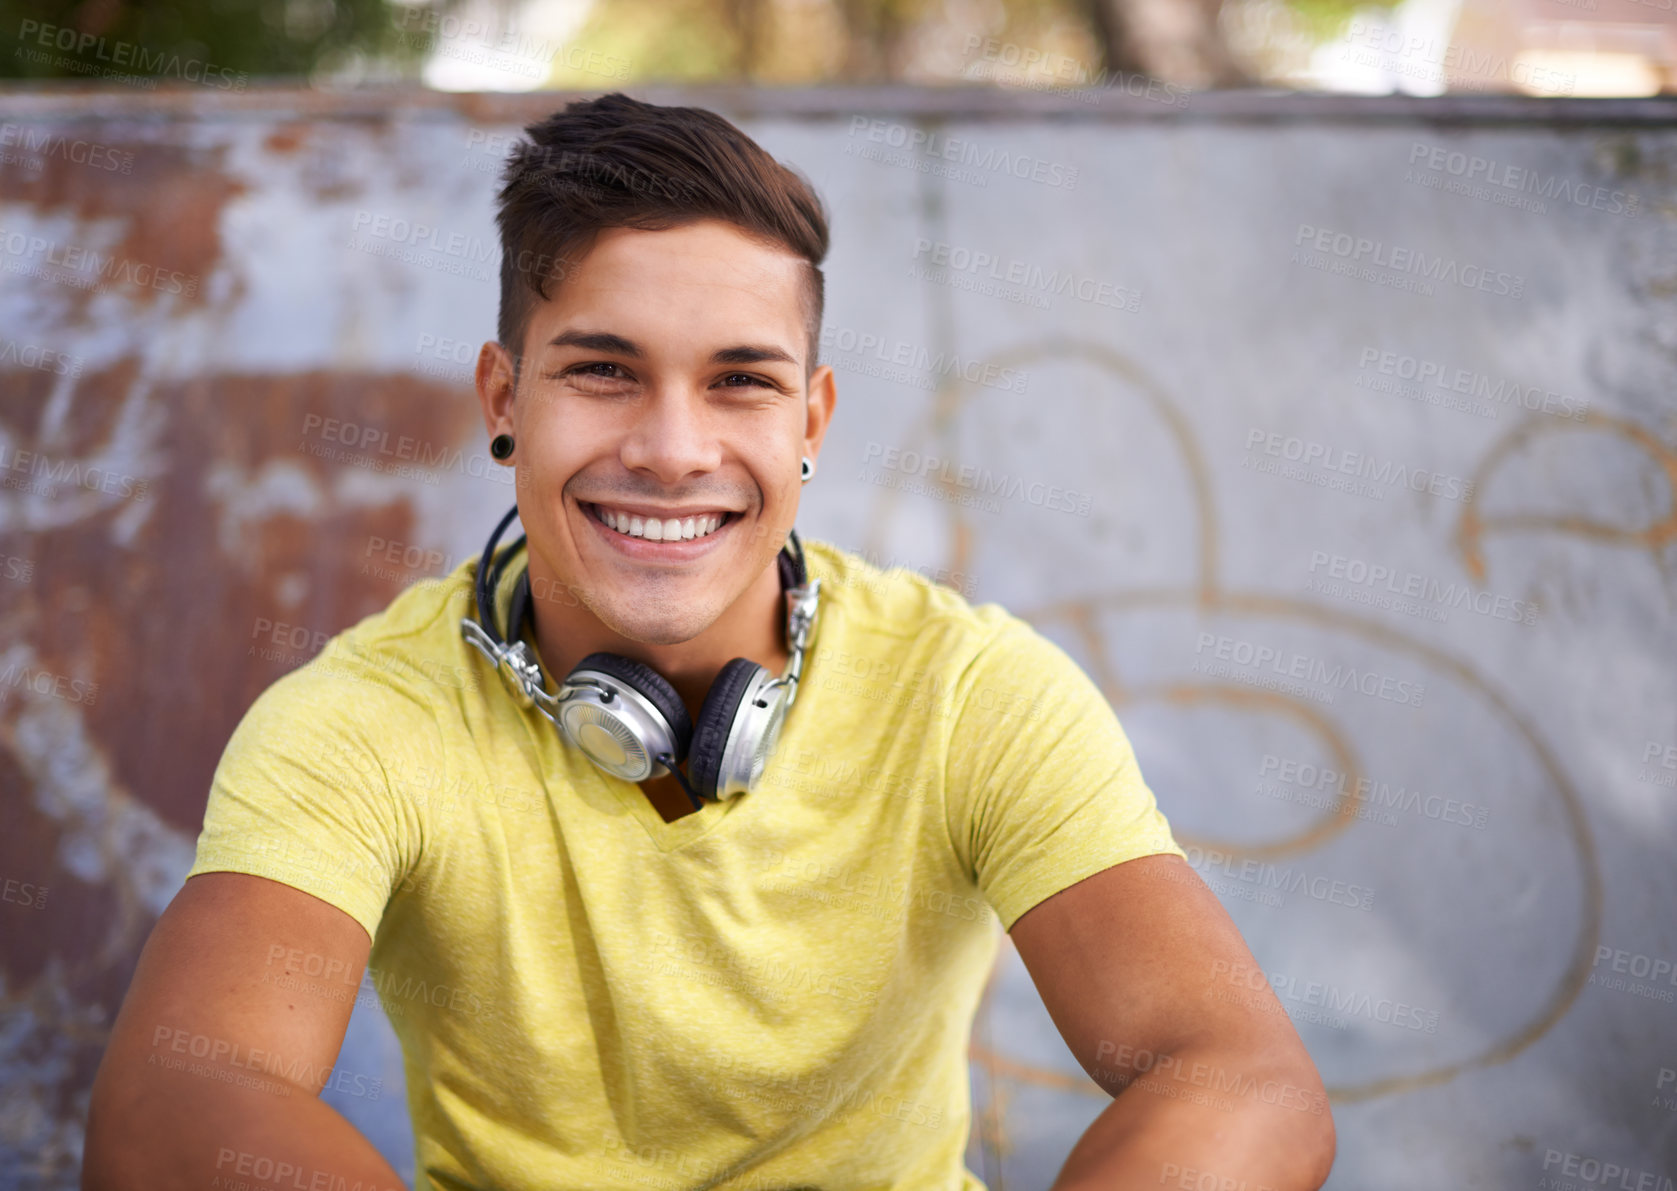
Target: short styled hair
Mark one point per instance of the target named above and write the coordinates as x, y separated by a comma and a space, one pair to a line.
618, 162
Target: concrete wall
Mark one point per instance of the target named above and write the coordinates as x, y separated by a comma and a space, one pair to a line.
1367, 467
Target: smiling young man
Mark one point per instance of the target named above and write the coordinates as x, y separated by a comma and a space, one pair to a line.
596, 985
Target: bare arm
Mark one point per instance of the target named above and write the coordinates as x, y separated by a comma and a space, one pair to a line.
227, 1034
1156, 993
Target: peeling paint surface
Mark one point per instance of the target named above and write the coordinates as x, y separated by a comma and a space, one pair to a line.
228, 382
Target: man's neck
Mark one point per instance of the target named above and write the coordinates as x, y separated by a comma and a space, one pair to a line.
754, 627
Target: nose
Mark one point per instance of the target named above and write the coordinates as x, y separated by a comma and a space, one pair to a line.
673, 436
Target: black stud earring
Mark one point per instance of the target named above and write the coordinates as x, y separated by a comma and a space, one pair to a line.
501, 446
806, 470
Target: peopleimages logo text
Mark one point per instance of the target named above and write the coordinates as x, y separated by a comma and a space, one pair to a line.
1454, 594
1026, 274
1473, 168
1357, 463
979, 479
1290, 664
130, 55
1362, 250
1496, 390
964, 151
910, 355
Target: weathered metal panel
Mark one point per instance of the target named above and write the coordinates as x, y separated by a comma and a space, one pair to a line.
212, 339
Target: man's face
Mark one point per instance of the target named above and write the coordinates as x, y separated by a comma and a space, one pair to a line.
665, 382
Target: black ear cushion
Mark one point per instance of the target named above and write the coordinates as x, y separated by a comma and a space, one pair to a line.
652, 685
716, 717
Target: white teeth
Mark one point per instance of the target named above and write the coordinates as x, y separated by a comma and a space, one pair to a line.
672, 529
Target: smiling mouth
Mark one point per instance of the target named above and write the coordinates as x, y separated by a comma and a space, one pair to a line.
692, 528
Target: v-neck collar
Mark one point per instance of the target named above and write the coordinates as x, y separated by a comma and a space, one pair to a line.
678, 833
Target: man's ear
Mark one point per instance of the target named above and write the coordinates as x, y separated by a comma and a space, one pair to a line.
818, 411
497, 382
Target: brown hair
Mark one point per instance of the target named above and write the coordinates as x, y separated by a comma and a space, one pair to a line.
618, 162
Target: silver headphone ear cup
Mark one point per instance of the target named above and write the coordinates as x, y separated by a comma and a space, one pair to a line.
627, 726
757, 733
752, 736
725, 706
607, 738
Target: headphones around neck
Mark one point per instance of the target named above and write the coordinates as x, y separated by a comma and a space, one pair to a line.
625, 717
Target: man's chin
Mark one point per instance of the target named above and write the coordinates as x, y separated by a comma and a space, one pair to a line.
663, 614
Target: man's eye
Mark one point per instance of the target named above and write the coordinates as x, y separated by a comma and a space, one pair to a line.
747, 378
593, 370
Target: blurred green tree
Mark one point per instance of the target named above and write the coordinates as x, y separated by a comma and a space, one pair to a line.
1027, 43
181, 38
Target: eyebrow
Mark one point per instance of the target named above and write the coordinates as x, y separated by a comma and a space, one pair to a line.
605, 341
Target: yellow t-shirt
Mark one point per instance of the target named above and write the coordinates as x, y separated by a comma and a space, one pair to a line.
775, 992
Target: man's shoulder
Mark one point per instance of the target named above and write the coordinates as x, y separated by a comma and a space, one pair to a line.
896, 619
985, 644
895, 598
409, 654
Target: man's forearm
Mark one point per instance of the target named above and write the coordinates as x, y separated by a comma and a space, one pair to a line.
163, 1130
1249, 1126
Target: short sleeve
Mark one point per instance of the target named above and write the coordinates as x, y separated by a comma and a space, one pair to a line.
1042, 786
302, 794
